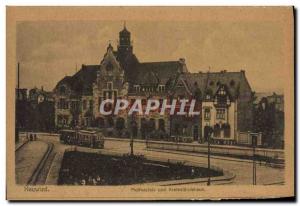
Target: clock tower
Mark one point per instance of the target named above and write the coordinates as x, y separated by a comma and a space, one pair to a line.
124, 47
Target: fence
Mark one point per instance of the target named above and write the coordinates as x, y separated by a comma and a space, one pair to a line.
222, 150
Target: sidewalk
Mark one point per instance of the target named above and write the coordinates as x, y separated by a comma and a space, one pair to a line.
53, 174
27, 159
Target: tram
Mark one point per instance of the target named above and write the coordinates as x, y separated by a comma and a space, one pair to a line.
86, 138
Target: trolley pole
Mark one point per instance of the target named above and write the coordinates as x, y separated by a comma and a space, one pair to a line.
208, 159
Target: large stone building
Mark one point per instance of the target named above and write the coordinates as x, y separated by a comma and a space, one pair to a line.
224, 98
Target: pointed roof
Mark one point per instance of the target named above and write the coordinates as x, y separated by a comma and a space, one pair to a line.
81, 83
124, 31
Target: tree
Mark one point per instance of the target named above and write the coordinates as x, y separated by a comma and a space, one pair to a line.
264, 121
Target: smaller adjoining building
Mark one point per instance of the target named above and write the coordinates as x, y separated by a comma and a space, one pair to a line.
35, 110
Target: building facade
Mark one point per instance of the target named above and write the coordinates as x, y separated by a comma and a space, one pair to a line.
224, 99
35, 110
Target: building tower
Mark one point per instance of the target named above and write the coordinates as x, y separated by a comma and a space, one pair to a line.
124, 47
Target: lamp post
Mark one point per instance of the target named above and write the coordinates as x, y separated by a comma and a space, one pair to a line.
131, 145
208, 157
131, 137
254, 143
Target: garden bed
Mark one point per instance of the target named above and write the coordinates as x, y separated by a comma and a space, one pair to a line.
80, 168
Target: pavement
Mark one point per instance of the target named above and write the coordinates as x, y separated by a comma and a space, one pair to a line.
242, 169
27, 159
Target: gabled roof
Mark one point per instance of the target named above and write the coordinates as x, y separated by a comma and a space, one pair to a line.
210, 81
65, 80
163, 70
81, 83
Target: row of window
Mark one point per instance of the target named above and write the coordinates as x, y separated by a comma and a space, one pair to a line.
220, 114
212, 83
160, 88
75, 105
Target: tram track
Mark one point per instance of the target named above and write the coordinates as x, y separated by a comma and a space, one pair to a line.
20, 146
35, 177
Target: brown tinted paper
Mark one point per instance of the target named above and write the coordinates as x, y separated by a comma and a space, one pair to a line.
205, 36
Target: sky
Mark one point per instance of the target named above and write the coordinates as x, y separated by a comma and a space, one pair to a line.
49, 50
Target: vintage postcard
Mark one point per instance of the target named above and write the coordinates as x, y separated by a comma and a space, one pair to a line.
150, 103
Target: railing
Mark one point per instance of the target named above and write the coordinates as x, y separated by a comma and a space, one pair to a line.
218, 149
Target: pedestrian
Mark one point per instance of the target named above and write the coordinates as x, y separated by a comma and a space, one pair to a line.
82, 182
94, 181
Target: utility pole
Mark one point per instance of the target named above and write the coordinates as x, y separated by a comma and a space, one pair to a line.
17, 105
18, 81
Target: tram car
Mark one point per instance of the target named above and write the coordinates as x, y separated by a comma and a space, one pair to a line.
93, 139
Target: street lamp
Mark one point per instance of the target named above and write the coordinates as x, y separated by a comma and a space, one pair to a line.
131, 136
208, 157
254, 144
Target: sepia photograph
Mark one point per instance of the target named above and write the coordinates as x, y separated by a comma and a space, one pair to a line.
157, 103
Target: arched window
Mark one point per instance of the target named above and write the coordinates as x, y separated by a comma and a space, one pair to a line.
217, 130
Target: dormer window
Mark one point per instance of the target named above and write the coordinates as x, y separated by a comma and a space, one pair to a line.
161, 88
137, 88
180, 84
222, 91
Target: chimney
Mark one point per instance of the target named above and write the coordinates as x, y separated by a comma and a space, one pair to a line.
182, 60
